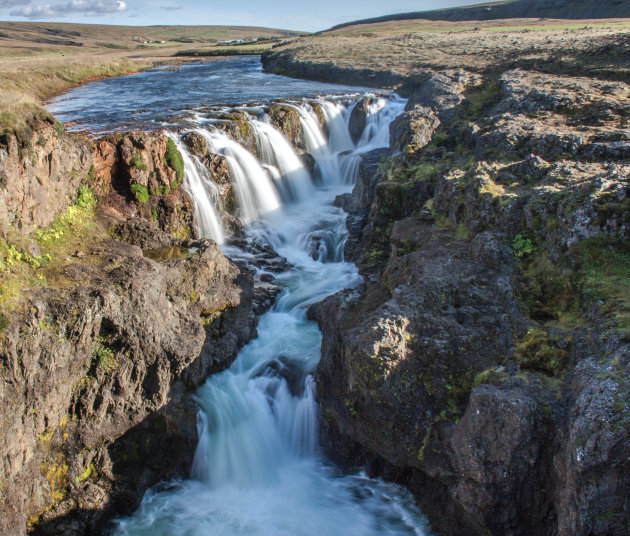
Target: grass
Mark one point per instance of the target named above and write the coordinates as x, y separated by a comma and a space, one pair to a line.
72, 230
140, 192
538, 351
104, 357
137, 161
605, 276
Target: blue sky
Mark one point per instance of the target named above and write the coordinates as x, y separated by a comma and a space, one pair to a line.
289, 14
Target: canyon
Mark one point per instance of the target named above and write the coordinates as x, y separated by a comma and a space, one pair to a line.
479, 357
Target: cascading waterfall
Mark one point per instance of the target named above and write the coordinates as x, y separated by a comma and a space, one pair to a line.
255, 194
275, 151
257, 470
337, 118
326, 164
203, 192
381, 113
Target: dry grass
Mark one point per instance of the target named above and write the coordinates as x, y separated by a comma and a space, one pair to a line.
583, 48
393, 28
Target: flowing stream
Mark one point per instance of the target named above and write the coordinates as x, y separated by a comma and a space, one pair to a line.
257, 469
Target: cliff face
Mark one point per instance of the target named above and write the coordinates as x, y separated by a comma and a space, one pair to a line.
41, 169
484, 362
107, 324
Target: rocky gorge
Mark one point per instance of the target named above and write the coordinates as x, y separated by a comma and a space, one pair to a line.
484, 360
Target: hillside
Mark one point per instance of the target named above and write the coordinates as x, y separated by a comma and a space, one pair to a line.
514, 9
20, 39
490, 338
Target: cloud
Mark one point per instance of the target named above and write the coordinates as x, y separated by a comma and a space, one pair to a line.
12, 3
170, 8
86, 7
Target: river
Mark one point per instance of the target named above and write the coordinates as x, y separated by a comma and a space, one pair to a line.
258, 469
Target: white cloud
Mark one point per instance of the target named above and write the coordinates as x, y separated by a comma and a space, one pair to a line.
172, 8
11, 3
86, 7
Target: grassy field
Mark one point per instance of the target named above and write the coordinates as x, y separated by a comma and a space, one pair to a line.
40, 59
579, 48
240, 50
28, 39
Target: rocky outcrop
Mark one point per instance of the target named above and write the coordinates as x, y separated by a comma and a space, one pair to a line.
285, 63
413, 129
95, 396
358, 118
483, 362
41, 169
287, 120
237, 126
99, 358
140, 174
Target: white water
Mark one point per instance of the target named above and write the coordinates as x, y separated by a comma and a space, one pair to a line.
203, 192
257, 469
255, 193
337, 117
380, 113
275, 151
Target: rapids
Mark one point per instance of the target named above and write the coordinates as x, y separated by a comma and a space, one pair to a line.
257, 469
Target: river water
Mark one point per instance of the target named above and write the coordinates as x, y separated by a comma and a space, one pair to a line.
258, 469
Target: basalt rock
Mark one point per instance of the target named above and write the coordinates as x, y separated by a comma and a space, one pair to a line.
236, 125
358, 118
41, 169
142, 160
453, 368
95, 397
287, 120
413, 129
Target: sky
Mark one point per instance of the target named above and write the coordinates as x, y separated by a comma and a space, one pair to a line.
285, 14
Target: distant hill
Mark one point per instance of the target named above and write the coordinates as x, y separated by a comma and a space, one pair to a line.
36, 38
515, 9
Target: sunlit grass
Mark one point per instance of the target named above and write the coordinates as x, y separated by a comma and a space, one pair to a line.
38, 259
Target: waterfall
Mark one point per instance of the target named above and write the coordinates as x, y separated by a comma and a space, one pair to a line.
255, 193
326, 164
337, 124
203, 192
276, 153
380, 114
257, 469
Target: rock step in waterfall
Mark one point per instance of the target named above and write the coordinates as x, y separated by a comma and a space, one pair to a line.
257, 469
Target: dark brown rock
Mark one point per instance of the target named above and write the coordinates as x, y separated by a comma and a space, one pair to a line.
358, 118
287, 120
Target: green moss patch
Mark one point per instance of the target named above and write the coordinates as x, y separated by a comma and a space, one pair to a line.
174, 160
141, 193
540, 352
604, 275
137, 162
